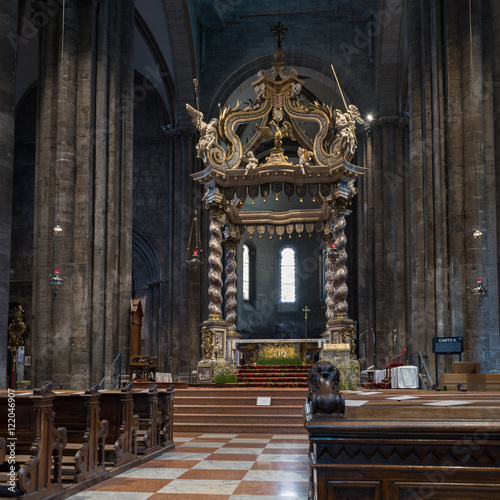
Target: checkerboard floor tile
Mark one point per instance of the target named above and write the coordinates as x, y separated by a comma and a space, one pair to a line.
216, 467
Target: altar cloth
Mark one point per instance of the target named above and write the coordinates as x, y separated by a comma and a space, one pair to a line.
404, 377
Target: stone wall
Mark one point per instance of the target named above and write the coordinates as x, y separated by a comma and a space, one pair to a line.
265, 316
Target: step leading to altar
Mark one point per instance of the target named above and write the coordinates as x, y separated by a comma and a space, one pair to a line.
273, 376
236, 410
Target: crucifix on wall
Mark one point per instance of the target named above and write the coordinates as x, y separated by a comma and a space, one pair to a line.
305, 310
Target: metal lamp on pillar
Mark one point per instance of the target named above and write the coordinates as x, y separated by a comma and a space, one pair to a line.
55, 280
193, 250
480, 291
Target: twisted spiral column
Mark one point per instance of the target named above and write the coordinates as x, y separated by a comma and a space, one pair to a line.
329, 274
215, 262
230, 309
340, 268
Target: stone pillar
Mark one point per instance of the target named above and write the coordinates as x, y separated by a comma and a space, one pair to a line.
421, 220
87, 186
481, 328
54, 196
495, 18
451, 181
382, 219
8, 51
182, 302
366, 241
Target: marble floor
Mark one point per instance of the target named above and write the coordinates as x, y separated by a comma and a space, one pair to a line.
216, 467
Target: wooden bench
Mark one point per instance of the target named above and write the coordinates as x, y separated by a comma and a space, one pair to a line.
123, 426
166, 408
424, 444
3, 450
39, 445
146, 408
86, 433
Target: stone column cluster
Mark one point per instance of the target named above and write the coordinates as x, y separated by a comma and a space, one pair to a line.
8, 51
381, 239
83, 182
430, 184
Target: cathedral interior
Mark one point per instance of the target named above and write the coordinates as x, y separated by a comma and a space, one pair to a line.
98, 142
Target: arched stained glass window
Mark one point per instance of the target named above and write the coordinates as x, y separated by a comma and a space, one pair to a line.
246, 272
287, 275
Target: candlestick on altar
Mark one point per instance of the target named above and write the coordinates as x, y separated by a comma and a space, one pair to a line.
305, 310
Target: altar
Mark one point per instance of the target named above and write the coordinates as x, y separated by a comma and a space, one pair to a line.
247, 351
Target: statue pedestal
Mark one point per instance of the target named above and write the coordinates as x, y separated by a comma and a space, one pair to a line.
340, 356
205, 371
340, 330
335, 353
213, 343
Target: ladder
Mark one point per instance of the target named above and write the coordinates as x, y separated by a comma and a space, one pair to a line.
423, 371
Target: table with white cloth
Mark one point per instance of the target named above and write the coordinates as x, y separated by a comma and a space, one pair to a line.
378, 376
404, 377
163, 377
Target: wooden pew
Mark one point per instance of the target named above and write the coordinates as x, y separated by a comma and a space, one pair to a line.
146, 408
3, 450
39, 445
79, 413
123, 425
166, 408
425, 444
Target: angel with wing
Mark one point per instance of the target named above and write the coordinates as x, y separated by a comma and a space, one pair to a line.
305, 157
344, 124
252, 163
208, 131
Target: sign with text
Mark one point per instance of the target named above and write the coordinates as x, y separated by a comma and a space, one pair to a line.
448, 345
263, 401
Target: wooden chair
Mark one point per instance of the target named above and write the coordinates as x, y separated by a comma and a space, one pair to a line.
394, 361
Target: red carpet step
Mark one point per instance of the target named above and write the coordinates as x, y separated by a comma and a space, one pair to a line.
273, 376
235, 410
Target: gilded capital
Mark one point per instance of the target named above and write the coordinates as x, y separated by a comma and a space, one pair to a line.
217, 210
340, 205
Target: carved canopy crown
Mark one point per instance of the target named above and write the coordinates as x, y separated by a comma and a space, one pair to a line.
325, 138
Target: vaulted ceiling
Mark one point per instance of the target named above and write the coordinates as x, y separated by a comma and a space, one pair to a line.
224, 43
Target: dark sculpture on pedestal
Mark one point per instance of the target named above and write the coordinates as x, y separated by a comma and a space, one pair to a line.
324, 397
